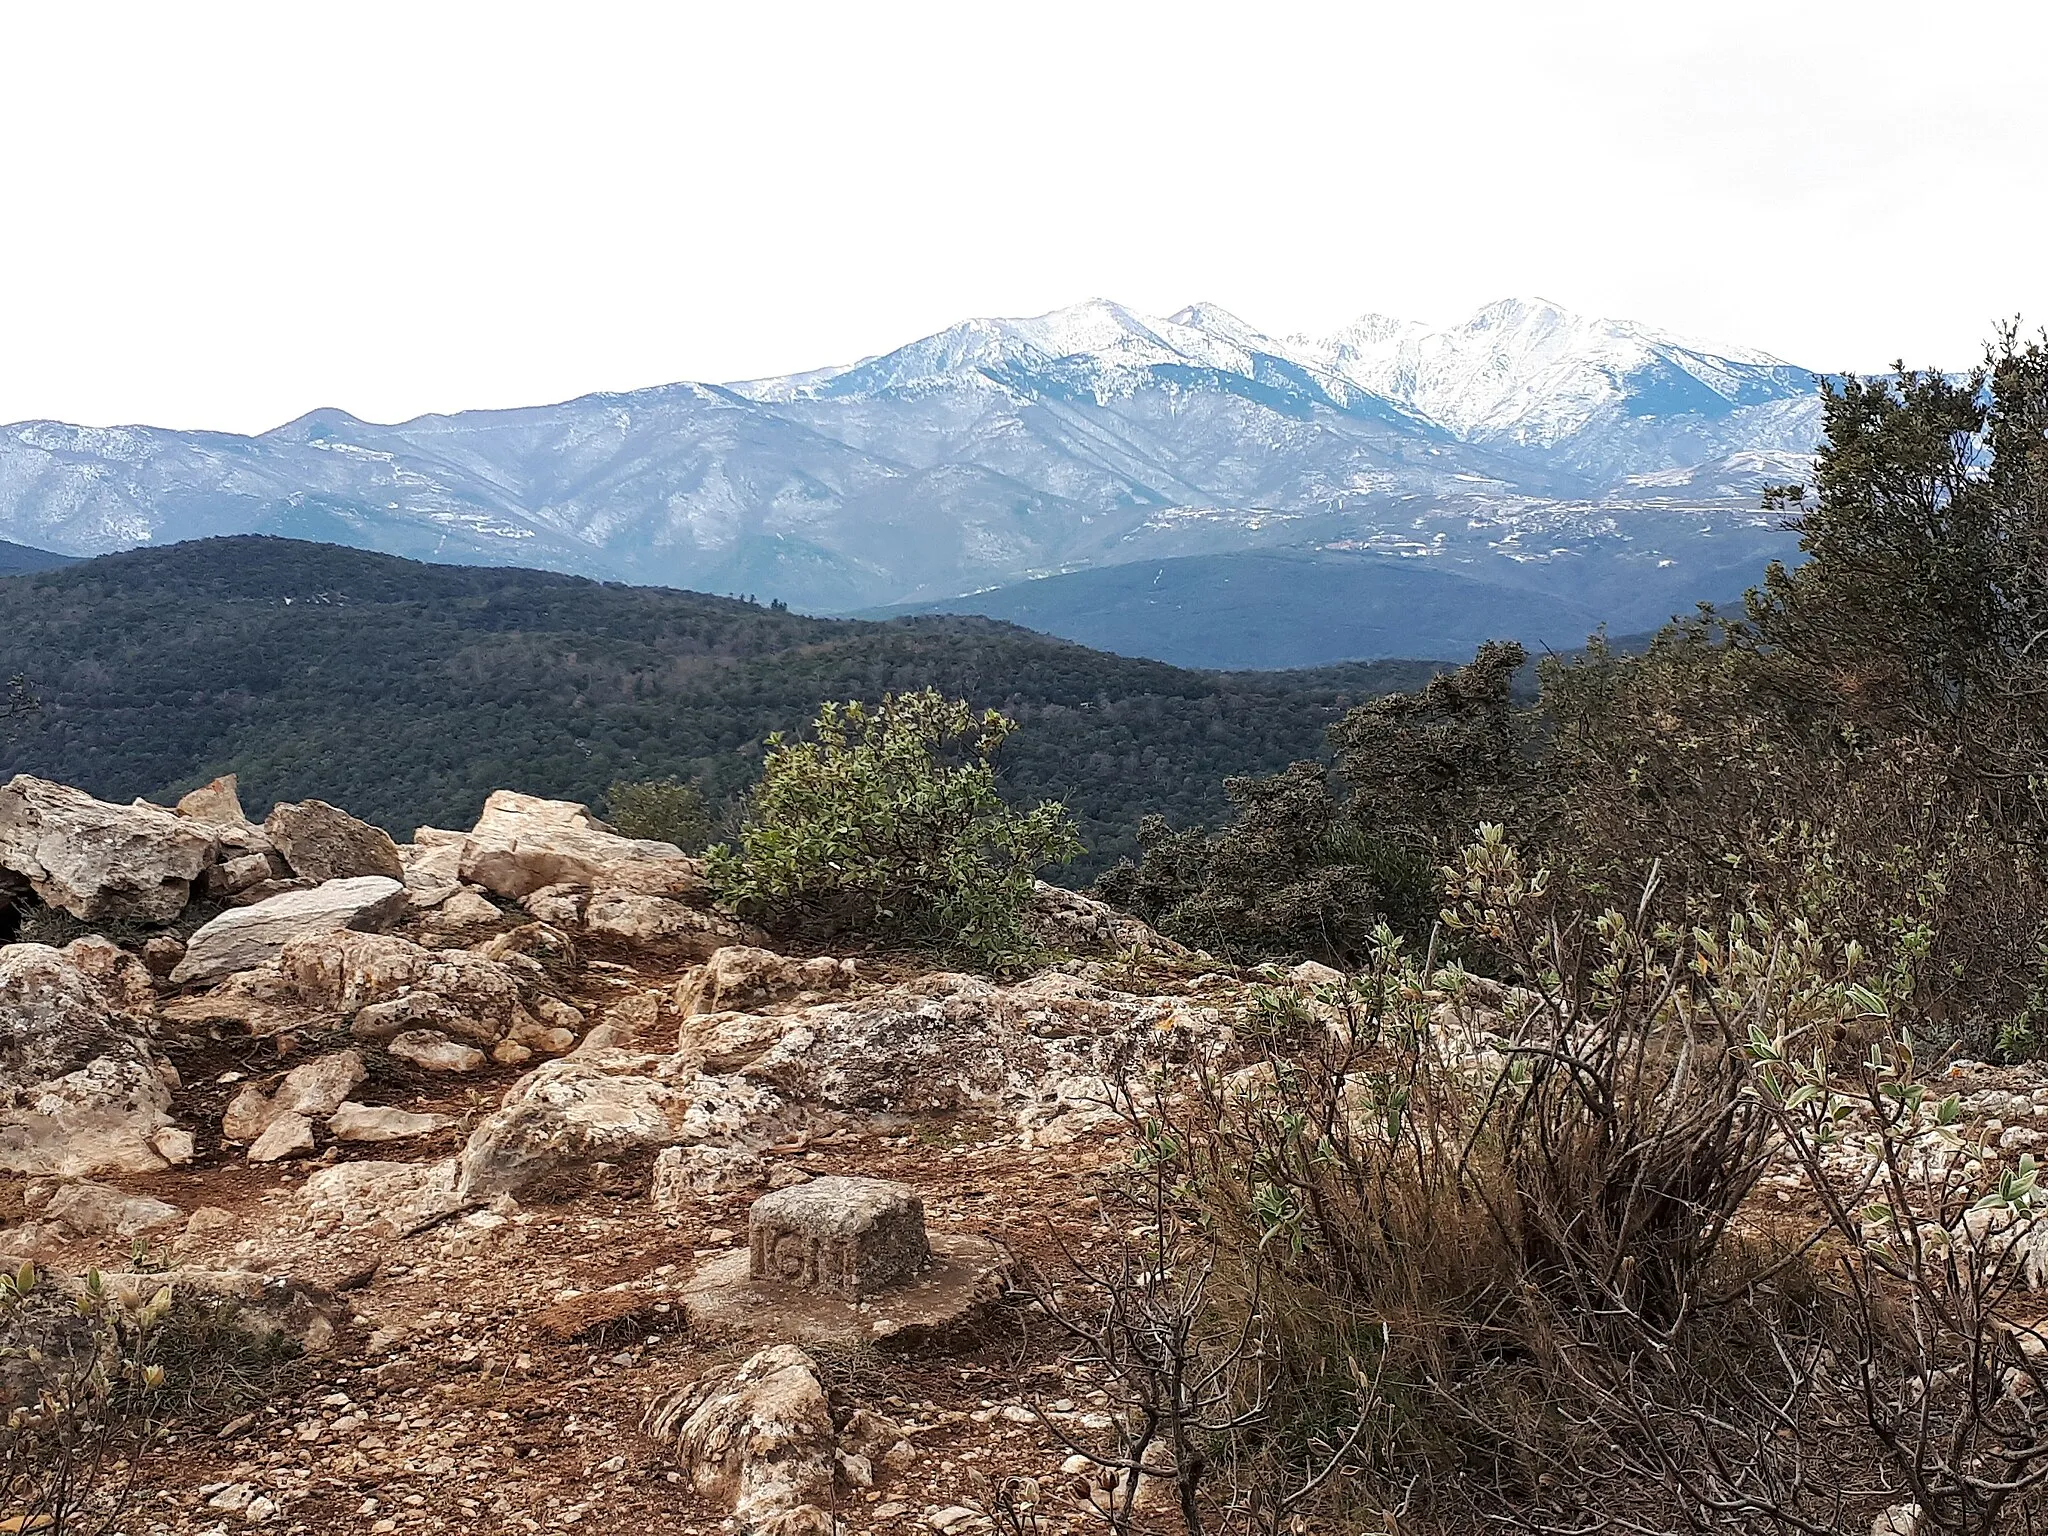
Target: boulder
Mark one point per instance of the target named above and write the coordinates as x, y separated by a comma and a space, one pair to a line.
242, 872
571, 1113
81, 1091
1064, 920
401, 1197
97, 1210
289, 1134
639, 918
242, 938
432, 1051
464, 907
740, 978
683, 1172
218, 804
433, 865
759, 1439
97, 860
388, 985
318, 1088
248, 1114
946, 1042
321, 842
522, 843
103, 1118
365, 1122
726, 1042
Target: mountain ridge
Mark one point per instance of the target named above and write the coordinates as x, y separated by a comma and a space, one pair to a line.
1000, 450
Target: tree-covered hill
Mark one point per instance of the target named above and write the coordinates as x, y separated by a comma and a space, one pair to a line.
407, 692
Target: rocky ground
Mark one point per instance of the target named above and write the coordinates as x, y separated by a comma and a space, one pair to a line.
464, 1118
476, 1123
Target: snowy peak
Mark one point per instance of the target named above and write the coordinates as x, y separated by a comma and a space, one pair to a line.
1524, 371
1533, 372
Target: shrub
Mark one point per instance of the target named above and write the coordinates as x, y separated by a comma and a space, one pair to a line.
665, 810
887, 823
1481, 1256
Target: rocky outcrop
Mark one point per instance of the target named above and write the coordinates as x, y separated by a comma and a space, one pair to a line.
243, 938
321, 842
97, 860
388, 985
568, 1114
522, 844
740, 977
1067, 922
218, 804
760, 1439
100, 1209
81, 1091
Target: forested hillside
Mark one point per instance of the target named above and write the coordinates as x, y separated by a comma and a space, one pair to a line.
407, 691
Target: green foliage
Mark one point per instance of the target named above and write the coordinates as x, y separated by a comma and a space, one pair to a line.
887, 823
407, 692
1292, 876
1302, 874
661, 809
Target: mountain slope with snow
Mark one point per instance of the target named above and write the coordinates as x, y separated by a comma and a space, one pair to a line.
1000, 450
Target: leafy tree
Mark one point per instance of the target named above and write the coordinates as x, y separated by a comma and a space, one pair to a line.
887, 823
1302, 874
662, 809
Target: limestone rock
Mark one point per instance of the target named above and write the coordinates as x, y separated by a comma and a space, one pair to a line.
174, 1145
323, 843
683, 1172
739, 978
432, 1051
402, 1197
570, 1113
161, 954
81, 1092
760, 1440
289, 1134
318, 1088
433, 865
464, 907
218, 804
522, 843
364, 1122
243, 872
1066, 920
243, 938
248, 1114
640, 918
388, 985
97, 860
945, 1042
101, 1210
844, 1237
726, 1042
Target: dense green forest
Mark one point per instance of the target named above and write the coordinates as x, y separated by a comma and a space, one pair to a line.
407, 692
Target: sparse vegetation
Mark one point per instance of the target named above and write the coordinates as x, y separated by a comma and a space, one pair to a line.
661, 809
886, 823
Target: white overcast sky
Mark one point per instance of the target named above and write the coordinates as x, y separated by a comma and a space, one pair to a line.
223, 216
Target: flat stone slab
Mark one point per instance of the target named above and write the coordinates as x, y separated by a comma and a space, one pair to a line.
242, 938
938, 1311
844, 1237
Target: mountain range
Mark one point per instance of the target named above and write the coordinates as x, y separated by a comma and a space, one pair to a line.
1528, 468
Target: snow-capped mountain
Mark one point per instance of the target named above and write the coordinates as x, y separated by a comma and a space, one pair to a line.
1004, 449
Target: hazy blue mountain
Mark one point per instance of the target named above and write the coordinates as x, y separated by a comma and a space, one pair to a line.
17, 559
1527, 448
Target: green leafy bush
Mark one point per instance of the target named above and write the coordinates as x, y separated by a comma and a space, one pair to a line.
887, 823
665, 810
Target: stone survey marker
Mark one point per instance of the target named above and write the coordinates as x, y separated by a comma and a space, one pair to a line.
843, 1237
849, 1260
